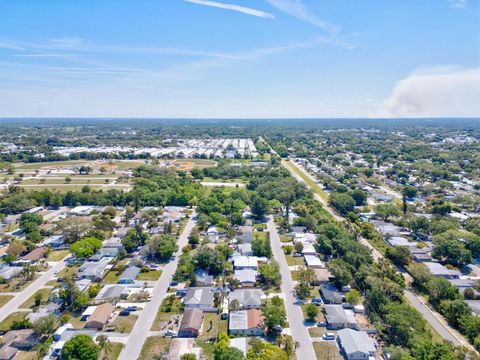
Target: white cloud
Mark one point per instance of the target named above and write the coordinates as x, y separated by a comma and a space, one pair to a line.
297, 9
458, 4
438, 92
233, 7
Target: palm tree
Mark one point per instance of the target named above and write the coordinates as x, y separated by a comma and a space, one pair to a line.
105, 346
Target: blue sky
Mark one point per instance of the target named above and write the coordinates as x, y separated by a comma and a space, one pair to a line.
239, 58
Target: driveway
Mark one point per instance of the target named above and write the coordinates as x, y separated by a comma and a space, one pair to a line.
139, 334
298, 330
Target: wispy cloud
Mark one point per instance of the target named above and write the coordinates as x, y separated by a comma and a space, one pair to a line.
297, 9
459, 4
233, 7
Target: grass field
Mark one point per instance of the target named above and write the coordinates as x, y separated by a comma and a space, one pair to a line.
155, 347
7, 323
189, 164
124, 324
114, 353
30, 302
210, 326
49, 164
326, 351
5, 299
152, 275
317, 189
57, 255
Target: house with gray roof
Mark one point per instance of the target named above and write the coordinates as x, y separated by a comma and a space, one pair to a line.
93, 270
246, 322
330, 293
356, 345
438, 270
199, 298
247, 298
246, 277
111, 292
339, 318
129, 275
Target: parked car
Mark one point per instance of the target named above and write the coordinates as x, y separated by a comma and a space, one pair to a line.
317, 301
174, 283
124, 312
170, 333
131, 308
328, 336
322, 324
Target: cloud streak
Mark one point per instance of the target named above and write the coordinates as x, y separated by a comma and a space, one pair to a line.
297, 9
446, 92
232, 7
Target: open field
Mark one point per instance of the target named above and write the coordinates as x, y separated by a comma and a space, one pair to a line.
189, 164
154, 347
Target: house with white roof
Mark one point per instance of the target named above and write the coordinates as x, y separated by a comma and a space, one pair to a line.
356, 345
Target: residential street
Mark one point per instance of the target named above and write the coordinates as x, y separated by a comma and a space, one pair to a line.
441, 327
24, 295
299, 332
142, 327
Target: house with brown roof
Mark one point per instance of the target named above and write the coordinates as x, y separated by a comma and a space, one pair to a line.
100, 316
191, 323
246, 322
33, 256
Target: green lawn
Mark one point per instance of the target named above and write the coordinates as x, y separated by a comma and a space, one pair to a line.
30, 302
292, 261
5, 299
152, 275
210, 326
57, 255
155, 347
114, 353
124, 324
285, 239
48, 164
7, 323
326, 351
112, 277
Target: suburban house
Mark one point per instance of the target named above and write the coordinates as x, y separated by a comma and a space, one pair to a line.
112, 292
202, 278
199, 298
330, 294
9, 272
246, 277
245, 262
16, 340
32, 257
129, 275
339, 318
93, 270
356, 345
246, 322
322, 276
314, 262
100, 316
87, 313
308, 249
438, 270
247, 298
245, 249
191, 323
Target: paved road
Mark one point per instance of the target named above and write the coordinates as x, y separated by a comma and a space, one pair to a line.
26, 293
434, 319
137, 337
299, 331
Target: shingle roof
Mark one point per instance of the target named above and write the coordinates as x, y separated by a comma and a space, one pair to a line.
247, 297
192, 319
199, 296
336, 314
